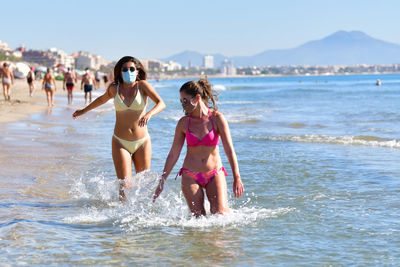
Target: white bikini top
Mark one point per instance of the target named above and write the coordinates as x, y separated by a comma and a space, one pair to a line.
139, 103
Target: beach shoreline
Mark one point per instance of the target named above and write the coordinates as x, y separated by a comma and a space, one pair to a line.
21, 104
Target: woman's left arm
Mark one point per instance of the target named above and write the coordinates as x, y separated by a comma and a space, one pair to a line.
223, 129
160, 105
54, 82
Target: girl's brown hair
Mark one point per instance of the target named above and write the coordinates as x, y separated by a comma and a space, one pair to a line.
204, 89
142, 75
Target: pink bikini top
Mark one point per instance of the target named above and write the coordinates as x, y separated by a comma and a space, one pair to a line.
210, 139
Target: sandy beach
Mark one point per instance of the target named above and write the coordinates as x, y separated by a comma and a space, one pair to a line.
21, 104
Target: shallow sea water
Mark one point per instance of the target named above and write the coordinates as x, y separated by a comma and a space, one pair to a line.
319, 158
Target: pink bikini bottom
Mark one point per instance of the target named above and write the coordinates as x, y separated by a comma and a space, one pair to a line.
202, 178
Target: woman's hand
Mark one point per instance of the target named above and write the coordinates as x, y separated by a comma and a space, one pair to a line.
238, 187
144, 120
159, 189
78, 113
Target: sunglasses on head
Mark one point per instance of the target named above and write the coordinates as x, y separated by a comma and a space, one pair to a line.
131, 69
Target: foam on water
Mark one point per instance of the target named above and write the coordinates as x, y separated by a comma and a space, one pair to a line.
219, 87
340, 140
101, 206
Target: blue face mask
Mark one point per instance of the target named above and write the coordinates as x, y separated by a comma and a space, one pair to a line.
128, 76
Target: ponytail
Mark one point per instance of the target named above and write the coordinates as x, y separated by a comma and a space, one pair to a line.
209, 95
204, 89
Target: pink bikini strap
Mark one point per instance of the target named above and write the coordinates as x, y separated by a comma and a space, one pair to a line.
179, 173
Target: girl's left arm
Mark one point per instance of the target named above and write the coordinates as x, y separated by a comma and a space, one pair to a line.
160, 105
226, 139
54, 82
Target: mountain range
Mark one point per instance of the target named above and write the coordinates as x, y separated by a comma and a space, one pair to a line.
339, 48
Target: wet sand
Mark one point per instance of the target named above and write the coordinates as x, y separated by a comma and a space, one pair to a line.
21, 104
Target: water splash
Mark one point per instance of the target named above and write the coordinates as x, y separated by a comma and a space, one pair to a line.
101, 206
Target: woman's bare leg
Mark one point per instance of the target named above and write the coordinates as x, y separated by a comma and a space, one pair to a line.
48, 97
122, 163
142, 157
217, 194
194, 196
52, 97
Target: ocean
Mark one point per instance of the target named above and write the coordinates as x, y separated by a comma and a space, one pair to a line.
319, 160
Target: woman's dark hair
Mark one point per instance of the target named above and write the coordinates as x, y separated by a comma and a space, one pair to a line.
204, 89
142, 75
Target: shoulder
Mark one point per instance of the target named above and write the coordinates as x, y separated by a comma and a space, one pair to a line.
219, 117
183, 122
112, 89
145, 87
143, 84
219, 120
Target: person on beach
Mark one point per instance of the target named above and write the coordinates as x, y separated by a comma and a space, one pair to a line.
87, 83
69, 82
131, 141
97, 78
47, 85
105, 78
201, 127
30, 78
7, 79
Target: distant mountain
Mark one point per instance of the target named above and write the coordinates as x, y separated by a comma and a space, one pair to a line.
340, 48
195, 58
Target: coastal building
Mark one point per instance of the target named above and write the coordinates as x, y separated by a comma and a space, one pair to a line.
85, 60
208, 62
98, 61
227, 68
39, 57
49, 58
62, 58
172, 66
4, 47
153, 64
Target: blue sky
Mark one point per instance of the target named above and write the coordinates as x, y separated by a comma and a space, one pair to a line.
158, 29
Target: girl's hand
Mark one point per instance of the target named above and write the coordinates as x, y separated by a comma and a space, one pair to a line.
144, 120
238, 188
159, 189
78, 113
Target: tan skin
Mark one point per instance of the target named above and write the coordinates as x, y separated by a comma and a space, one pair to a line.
49, 79
7, 73
202, 159
69, 77
87, 79
129, 125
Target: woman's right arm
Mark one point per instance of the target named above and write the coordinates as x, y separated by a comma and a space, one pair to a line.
173, 156
97, 102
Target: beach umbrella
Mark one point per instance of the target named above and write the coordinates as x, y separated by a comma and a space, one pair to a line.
62, 69
21, 70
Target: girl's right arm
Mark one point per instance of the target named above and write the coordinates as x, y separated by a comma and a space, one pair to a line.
173, 156
97, 102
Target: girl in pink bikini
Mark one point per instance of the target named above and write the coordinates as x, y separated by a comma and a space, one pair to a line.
202, 167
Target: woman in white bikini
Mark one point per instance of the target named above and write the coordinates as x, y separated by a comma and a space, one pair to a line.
131, 141
7, 78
